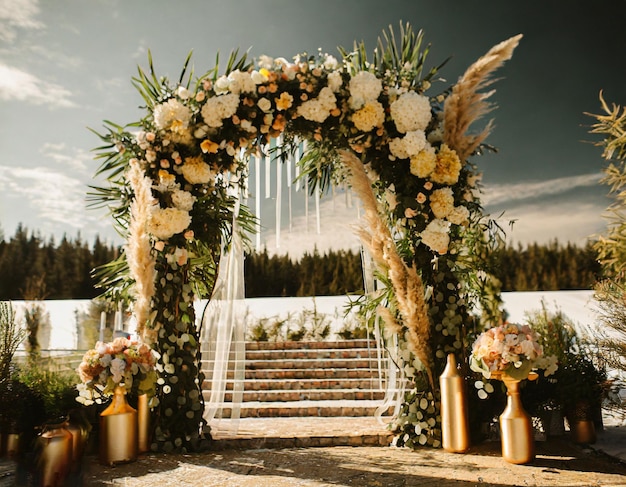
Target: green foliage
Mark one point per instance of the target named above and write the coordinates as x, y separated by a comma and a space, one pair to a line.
353, 330
62, 270
611, 247
556, 332
548, 267
308, 325
55, 389
580, 380
552, 266
11, 335
581, 375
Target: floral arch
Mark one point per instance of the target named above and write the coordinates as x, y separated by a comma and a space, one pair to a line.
377, 126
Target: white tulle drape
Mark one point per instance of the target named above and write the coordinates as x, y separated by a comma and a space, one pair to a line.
223, 337
224, 318
391, 377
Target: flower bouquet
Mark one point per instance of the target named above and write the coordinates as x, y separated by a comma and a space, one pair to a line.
512, 350
122, 362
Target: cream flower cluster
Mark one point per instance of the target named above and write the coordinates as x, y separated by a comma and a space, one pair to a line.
364, 87
436, 235
172, 115
318, 109
411, 111
196, 171
371, 115
164, 223
183, 200
219, 107
409, 145
236, 82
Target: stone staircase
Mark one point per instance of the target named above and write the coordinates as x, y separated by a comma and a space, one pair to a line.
307, 379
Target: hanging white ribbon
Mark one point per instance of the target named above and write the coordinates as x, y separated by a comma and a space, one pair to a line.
257, 200
279, 190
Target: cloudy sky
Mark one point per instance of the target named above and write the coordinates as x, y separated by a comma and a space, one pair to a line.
66, 65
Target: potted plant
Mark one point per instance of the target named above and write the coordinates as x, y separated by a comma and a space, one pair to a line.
557, 337
581, 389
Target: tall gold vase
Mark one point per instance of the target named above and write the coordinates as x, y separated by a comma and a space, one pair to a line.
54, 460
516, 430
118, 430
454, 421
143, 422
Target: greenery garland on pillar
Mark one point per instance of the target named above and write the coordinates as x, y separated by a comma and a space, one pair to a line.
374, 126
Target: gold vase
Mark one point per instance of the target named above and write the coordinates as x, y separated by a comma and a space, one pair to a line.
516, 429
143, 423
80, 435
54, 448
583, 432
118, 430
454, 420
13, 444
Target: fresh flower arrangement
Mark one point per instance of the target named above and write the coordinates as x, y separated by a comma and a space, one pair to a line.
510, 349
122, 362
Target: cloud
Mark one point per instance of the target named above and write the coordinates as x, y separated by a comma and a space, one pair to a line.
55, 197
65, 157
497, 194
16, 84
17, 14
569, 220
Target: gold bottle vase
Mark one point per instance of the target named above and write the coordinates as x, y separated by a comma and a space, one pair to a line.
54, 454
516, 429
143, 423
583, 431
10, 444
454, 417
118, 430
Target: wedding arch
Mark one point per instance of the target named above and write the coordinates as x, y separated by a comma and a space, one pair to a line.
377, 125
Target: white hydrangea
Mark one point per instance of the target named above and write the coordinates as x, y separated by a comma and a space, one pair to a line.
241, 82
411, 111
217, 108
409, 145
196, 171
164, 223
459, 216
258, 77
183, 200
364, 87
265, 61
221, 85
371, 115
436, 237
318, 109
330, 62
335, 81
172, 115
442, 202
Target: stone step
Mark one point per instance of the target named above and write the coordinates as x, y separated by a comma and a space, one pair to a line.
299, 432
308, 395
306, 363
348, 408
270, 362
317, 353
304, 384
311, 345
264, 374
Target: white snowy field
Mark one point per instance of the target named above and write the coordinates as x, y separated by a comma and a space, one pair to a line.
579, 306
